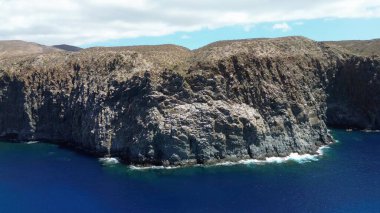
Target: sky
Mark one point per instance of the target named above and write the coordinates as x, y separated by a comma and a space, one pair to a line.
191, 23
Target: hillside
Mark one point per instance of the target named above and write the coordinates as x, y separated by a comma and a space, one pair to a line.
69, 48
361, 47
21, 48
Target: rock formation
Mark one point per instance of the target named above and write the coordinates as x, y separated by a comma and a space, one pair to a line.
166, 104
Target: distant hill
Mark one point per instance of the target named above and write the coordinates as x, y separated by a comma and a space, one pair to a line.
14, 48
68, 48
360, 47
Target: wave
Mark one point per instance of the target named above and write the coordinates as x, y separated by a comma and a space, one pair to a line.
295, 157
270, 160
31, 142
152, 167
371, 131
291, 157
321, 150
109, 161
299, 158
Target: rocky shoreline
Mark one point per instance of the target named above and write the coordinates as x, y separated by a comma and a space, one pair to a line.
167, 105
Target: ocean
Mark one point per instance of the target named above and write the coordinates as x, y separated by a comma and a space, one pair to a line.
40, 177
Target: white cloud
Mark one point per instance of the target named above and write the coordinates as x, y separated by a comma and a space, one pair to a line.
85, 21
282, 26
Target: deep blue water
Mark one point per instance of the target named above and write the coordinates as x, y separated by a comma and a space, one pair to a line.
45, 178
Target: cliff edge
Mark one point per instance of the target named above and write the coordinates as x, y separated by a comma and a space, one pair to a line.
167, 105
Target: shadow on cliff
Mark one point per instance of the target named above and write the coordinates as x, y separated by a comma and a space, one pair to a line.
353, 95
15, 122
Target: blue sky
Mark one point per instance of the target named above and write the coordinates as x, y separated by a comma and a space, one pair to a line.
190, 23
326, 29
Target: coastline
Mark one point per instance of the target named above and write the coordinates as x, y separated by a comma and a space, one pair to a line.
113, 160
296, 157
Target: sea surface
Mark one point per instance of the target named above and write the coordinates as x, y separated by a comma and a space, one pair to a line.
39, 177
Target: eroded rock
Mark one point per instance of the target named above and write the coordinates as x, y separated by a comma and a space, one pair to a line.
169, 105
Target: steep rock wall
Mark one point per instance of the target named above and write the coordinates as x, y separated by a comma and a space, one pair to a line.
168, 105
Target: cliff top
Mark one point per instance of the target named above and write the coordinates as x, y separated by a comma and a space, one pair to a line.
143, 48
360, 47
261, 47
159, 57
293, 45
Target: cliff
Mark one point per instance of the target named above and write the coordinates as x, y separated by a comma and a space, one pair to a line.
168, 105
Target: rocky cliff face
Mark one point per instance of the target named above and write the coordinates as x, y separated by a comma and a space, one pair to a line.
169, 105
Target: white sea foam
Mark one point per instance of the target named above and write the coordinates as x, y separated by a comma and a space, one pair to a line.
321, 150
32, 142
299, 158
227, 163
304, 158
367, 130
152, 167
292, 157
109, 160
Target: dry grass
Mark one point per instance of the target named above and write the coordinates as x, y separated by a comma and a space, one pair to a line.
9, 49
359, 47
